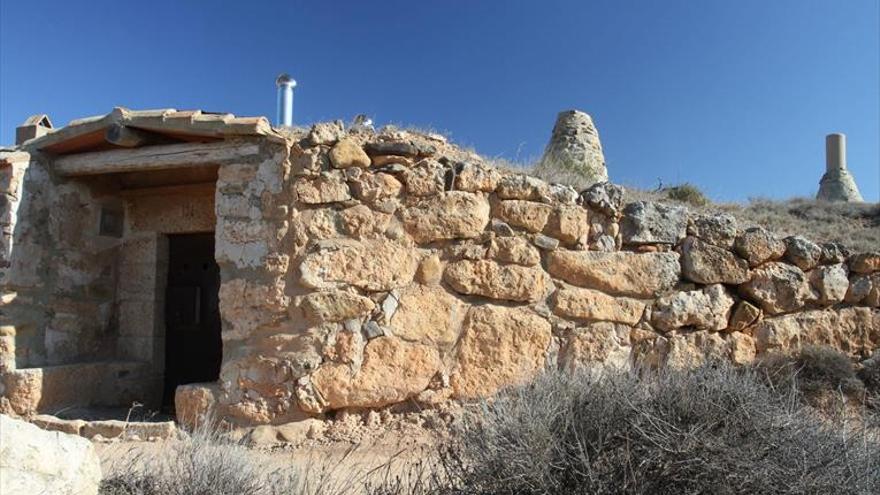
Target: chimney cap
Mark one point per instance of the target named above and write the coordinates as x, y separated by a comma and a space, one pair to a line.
40, 119
285, 80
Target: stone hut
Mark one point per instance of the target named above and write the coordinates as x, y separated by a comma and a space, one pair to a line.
211, 264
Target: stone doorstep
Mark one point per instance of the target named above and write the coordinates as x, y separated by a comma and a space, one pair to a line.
108, 429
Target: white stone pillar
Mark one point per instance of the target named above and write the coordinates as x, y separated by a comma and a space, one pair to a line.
835, 152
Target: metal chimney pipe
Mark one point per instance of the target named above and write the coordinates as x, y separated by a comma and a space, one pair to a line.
835, 152
285, 85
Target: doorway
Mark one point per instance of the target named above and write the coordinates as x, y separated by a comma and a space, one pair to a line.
193, 347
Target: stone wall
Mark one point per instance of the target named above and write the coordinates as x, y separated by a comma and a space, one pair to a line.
363, 270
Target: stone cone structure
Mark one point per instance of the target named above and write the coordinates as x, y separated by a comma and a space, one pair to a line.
575, 146
837, 184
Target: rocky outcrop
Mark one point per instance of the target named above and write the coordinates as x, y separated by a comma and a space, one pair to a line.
38, 461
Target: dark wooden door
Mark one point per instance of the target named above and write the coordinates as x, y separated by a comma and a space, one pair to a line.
193, 348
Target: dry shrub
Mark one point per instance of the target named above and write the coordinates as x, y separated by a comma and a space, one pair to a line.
712, 430
686, 193
205, 462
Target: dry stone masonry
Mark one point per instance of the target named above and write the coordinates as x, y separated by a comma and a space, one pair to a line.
366, 269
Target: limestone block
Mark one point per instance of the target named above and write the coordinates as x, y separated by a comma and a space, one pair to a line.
802, 253
603, 197
859, 288
430, 270
451, 215
744, 315
653, 223
326, 188
37, 461
588, 304
527, 215
326, 133
777, 287
708, 264
500, 346
476, 177
830, 283
569, 224
490, 279
427, 178
855, 331
617, 273
372, 265
705, 309
514, 250
392, 371
348, 153
718, 229
865, 263
331, 306
523, 187
374, 187
428, 315
597, 346
757, 246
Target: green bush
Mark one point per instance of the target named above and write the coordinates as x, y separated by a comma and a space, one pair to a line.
686, 193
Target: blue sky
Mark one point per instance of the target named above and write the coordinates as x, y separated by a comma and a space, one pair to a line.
734, 96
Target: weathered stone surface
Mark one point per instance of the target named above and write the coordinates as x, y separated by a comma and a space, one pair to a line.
195, 403
34, 461
830, 283
326, 133
369, 265
597, 346
327, 188
500, 346
603, 197
620, 273
653, 223
391, 162
514, 250
490, 279
708, 264
855, 331
706, 309
802, 253
451, 215
718, 230
51, 423
859, 288
588, 304
428, 315
392, 371
833, 253
744, 315
569, 224
742, 348
476, 177
348, 153
371, 188
425, 179
527, 215
777, 287
574, 145
545, 242
523, 187
320, 307
430, 270
865, 263
396, 147
757, 245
